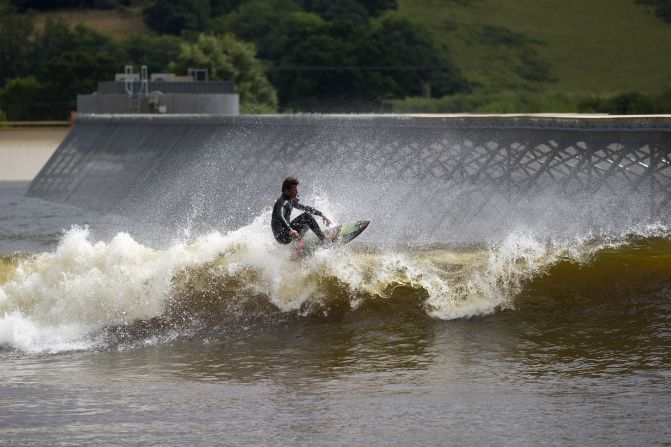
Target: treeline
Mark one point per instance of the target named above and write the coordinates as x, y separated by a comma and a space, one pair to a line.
43, 69
283, 55
300, 55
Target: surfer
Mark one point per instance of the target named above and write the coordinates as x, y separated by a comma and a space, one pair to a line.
285, 230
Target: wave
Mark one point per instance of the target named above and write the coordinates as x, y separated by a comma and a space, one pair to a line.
610, 273
118, 294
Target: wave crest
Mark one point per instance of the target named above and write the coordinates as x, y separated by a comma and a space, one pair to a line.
95, 294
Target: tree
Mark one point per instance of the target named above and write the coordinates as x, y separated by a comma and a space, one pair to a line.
378, 7
175, 16
23, 5
53, 93
77, 72
222, 7
15, 32
348, 67
357, 11
415, 58
227, 58
58, 38
266, 23
664, 10
73, 73
350, 11
322, 73
154, 51
25, 99
42, 5
64, 62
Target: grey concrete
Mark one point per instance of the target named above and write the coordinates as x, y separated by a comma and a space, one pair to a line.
418, 178
99, 103
215, 104
199, 87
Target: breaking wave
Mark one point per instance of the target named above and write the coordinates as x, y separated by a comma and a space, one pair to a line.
118, 294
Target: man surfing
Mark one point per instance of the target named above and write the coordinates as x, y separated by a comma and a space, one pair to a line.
285, 230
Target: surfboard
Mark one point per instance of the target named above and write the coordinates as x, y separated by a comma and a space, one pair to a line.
338, 235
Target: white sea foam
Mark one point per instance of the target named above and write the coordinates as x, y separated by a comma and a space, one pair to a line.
56, 299
61, 300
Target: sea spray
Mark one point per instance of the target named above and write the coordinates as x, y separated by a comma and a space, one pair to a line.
84, 286
65, 300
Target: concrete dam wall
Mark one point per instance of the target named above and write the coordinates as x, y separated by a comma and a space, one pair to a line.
419, 179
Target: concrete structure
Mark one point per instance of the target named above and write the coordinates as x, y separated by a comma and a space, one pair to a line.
418, 178
165, 93
157, 102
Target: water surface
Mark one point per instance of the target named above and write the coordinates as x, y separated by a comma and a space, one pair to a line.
220, 338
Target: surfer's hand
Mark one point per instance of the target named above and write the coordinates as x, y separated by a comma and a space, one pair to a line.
293, 234
327, 222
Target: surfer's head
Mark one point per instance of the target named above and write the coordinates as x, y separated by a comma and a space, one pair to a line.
290, 187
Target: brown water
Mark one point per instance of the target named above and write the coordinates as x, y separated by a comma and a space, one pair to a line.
222, 340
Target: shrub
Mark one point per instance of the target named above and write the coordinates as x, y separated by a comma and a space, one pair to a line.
539, 102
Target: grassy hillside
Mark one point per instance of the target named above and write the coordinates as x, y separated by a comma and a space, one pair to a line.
600, 46
602, 56
113, 23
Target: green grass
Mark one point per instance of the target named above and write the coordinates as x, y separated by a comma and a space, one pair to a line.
594, 46
112, 23
539, 102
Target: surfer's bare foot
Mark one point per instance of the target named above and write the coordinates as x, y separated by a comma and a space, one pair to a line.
329, 238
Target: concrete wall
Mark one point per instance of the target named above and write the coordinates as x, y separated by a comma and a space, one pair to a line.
214, 104
198, 87
418, 178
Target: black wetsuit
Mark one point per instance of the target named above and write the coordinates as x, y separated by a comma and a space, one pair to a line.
282, 226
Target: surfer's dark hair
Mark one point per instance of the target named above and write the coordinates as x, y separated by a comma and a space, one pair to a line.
289, 182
